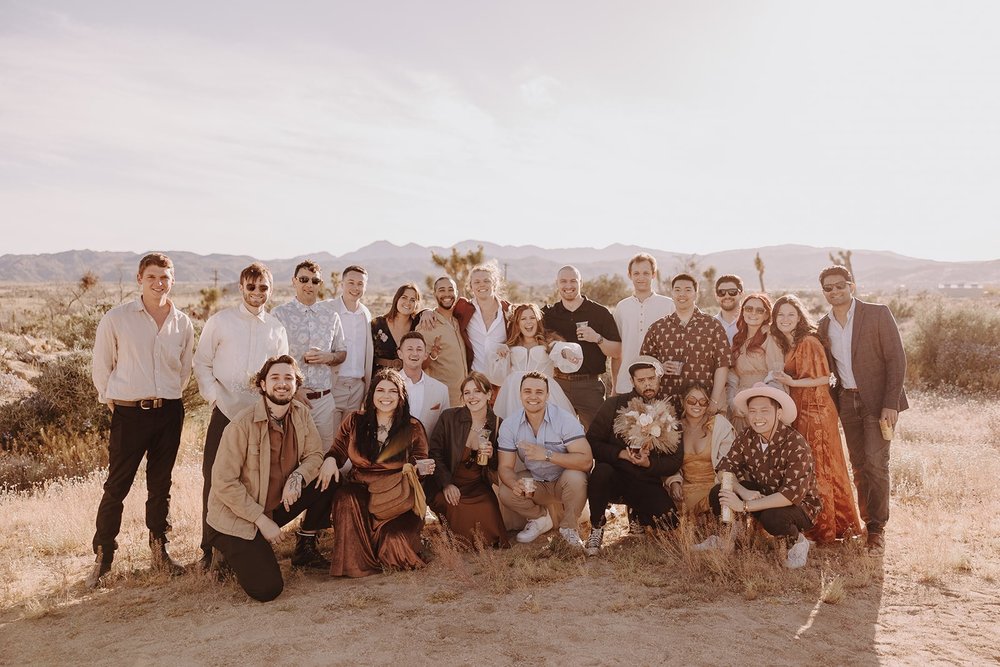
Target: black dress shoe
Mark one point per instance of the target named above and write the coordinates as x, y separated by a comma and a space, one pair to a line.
102, 565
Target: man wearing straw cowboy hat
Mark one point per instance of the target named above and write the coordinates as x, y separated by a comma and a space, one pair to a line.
773, 466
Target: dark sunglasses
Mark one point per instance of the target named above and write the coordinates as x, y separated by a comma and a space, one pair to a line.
250, 287
755, 310
832, 286
727, 292
703, 402
314, 280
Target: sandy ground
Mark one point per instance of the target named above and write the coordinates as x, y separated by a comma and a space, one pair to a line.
442, 615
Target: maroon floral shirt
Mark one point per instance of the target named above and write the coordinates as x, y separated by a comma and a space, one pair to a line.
785, 467
701, 344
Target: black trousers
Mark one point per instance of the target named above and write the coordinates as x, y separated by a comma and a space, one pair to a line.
648, 500
216, 425
253, 561
155, 434
869, 459
586, 397
781, 521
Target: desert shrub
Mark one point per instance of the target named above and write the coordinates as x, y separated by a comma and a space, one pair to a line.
76, 329
955, 345
56, 425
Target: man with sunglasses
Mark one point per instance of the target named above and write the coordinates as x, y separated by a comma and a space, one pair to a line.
233, 346
867, 356
316, 340
729, 293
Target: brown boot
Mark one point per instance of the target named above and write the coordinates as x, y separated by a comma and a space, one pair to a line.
102, 565
161, 557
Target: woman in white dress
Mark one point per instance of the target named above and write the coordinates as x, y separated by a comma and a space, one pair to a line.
528, 350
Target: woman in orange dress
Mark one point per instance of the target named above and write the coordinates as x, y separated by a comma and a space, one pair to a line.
807, 375
380, 440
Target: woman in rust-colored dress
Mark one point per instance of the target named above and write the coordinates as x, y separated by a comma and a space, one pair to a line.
380, 440
807, 375
461, 490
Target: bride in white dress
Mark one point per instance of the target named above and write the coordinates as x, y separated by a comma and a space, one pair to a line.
527, 350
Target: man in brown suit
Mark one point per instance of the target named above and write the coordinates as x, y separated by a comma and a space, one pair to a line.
867, 357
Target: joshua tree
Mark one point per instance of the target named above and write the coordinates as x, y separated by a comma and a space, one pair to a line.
758, 264
456, 265
842, 258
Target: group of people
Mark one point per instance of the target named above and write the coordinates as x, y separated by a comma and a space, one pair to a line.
495, 416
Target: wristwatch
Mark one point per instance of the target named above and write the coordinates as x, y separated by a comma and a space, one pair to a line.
600, 339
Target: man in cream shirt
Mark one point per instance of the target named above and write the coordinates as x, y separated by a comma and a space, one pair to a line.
233, 346
351, 378
635, 313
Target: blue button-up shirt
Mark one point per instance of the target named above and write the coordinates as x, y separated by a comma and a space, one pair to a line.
559, 428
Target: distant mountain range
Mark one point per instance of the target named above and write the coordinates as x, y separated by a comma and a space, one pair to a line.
786, 266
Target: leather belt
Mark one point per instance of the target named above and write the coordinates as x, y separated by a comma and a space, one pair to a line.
143, 404
313, 395
397, 364
577, 377
854, 389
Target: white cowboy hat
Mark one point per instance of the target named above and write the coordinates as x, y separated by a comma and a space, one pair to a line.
646, 360
788, 410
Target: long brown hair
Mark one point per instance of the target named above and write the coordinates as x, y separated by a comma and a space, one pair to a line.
803, 328
367, 420
742, 330
393, 309
514, 326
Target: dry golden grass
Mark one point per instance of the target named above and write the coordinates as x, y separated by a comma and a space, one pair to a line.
943, 541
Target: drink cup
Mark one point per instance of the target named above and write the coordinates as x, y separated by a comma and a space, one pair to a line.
674, 367
425, 466
886, 428
529, 486
579, 326
483, 455
635, 450
728, 482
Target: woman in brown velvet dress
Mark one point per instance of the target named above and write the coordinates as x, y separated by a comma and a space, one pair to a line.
807, 375
380, 440
461, 490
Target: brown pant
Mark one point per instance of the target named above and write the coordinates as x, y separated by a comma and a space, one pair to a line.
570, 489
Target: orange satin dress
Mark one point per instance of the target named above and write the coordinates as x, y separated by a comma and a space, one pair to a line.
362, 544
818, 423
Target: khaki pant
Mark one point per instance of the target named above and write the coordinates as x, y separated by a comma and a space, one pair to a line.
570, 490
348, 394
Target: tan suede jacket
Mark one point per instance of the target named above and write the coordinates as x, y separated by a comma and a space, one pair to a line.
242, 466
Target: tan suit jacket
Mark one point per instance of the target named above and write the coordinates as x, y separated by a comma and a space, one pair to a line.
243, 465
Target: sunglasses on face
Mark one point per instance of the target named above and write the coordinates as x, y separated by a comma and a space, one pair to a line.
755, 310
727, 292
692, 401
829, 287
314, 281
250, 287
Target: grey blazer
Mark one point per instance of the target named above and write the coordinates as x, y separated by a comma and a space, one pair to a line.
877, 358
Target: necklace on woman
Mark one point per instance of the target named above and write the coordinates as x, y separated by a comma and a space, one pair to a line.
383, 432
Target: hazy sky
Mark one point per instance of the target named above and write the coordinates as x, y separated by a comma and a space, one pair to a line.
277, 129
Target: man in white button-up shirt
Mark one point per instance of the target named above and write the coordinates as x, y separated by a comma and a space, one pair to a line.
635, 313
351, 378
233, 346
316, 340
142, 362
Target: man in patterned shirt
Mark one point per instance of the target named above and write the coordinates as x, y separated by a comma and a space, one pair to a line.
775, 476
691, 345
316, 340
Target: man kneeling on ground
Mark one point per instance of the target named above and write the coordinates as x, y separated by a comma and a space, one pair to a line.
624, 474
264, 476
775, 477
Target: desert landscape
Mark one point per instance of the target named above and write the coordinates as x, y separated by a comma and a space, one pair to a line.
932, 598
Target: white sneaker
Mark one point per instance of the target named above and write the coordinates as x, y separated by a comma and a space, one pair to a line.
797, 553
571, 537
593, 546
534, 528
713, 543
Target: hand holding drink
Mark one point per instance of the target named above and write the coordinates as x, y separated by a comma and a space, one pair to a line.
673, 366
528, 486
485, 448
425, 466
